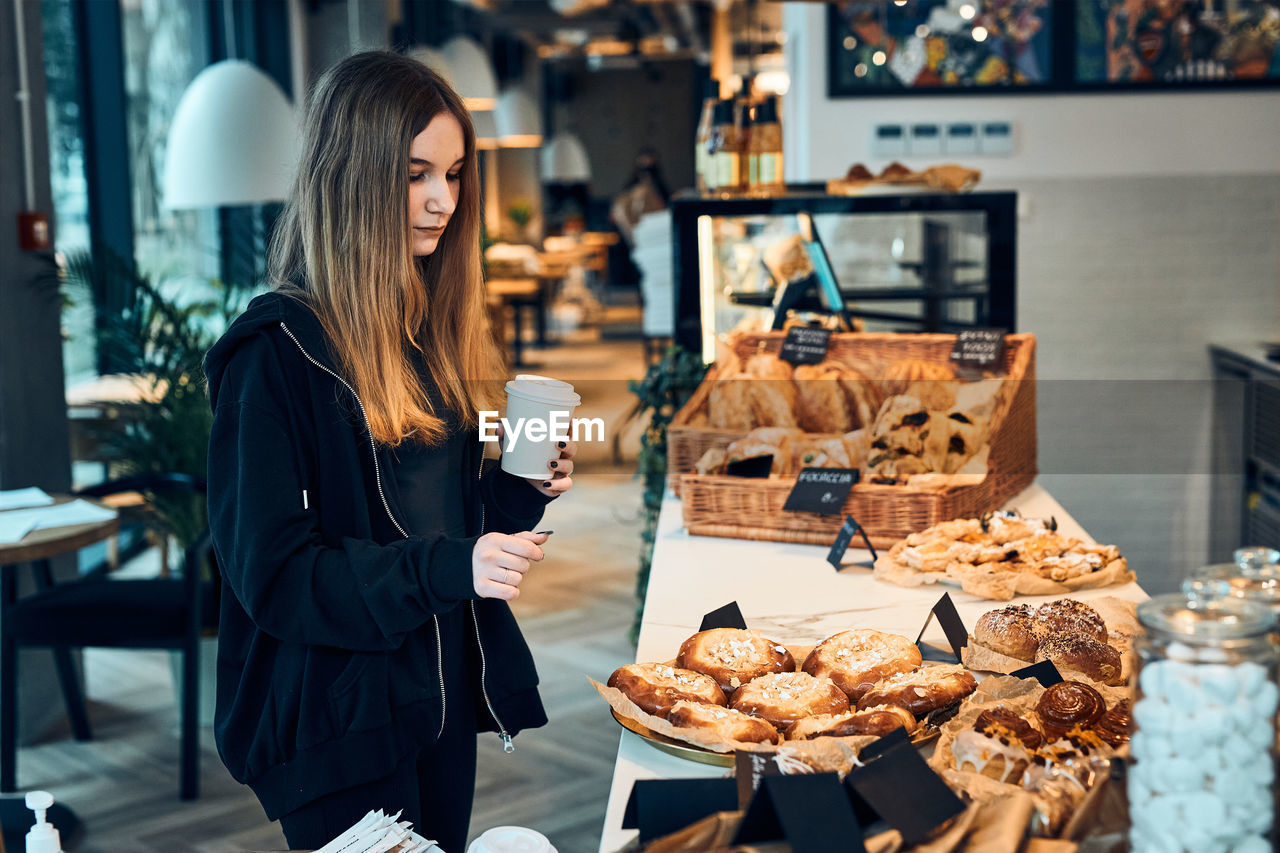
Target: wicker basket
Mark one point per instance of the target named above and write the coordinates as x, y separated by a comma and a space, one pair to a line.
752, 508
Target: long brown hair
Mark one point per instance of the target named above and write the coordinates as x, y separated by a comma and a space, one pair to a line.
343, 246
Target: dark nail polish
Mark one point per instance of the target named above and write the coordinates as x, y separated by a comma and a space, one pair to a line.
561, 445
547, 484
546, 532
553, 464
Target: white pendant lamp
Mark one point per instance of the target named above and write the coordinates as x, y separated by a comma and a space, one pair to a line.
433, 59
471, 73
564, 160
519, 124
486, 130
233, 140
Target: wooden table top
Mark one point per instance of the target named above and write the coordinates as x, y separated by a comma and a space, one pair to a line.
53, 541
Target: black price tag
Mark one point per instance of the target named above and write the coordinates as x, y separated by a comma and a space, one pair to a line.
805, 345
848, 530
1044, 672
756, 466
729, 616
979, 348
821, 490
659, 807
952, 624
900, 787
812, 813
749, 769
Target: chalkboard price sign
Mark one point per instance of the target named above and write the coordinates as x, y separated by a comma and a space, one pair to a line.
821, 490
804, 345
979, 348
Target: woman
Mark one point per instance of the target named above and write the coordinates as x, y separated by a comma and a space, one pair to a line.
367, 552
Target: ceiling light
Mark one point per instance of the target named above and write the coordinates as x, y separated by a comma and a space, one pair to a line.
519, 124
879, 57
233, 140
774, 81
979, 33
564, 160
967, 12
472, 72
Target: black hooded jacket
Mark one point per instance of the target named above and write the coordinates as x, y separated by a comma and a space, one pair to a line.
329, 653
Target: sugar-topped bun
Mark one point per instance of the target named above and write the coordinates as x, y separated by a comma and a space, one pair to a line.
784, 697
922, 690
856, 660
726, 722
877, 721
1010, 631
1068, 616
733, 656
655, 687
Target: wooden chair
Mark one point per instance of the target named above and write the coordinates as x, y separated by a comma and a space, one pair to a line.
96, 612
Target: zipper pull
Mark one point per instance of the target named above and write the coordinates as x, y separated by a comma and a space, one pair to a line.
507, 746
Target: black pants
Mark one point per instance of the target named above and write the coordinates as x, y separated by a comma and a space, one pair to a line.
434, 788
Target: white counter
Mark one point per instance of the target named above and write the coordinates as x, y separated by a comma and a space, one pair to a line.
788, 593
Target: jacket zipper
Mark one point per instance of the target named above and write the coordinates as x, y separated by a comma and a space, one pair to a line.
507, 745
377, 476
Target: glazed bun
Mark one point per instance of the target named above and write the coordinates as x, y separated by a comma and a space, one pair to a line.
856, 660
725, 722
784, 697
655, 687
733, 656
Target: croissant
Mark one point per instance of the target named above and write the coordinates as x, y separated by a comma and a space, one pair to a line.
1068, 704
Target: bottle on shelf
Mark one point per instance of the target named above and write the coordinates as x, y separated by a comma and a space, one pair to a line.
703, 142
745, 111
764, 149
725, 151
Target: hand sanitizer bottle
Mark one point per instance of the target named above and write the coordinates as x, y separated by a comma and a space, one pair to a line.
42, 838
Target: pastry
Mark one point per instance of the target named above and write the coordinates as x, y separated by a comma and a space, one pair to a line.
877, 722
1116, 725
729, 405
766, 365
966, 433
655, 687
904, 441
1010, 631
999, 556
858, 172
895, 171
1098, 661
922, 690
999, 721
725, 722
863, 395
773, 402
711, 462
1068, 616
856, 660
1068, 704
902, 373
770, 441
784, 697
1002, 759
821, 452
820, 399
733, 656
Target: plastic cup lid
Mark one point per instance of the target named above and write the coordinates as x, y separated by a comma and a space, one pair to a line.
511, 839
544, 389
1204, 617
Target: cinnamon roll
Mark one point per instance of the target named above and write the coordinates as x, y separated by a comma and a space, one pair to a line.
1066, 705
1115, 726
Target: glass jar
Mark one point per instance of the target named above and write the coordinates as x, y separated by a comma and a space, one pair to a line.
1204, 714
1255, 557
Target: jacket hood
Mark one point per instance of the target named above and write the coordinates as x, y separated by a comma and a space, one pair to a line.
266, 313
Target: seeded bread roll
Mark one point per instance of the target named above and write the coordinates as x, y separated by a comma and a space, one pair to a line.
1010, 631
877, 722
922, 690
1098, 661
855, 660
726, 722
784, 697
655, 687
733, 656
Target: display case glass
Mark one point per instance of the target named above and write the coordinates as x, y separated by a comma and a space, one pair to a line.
899, 262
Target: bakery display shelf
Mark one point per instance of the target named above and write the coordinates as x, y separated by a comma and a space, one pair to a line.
739, 508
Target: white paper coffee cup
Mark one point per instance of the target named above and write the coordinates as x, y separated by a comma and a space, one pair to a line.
541, 403
511, 839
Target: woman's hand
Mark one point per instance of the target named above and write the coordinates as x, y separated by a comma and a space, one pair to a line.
558, 470
499, 561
